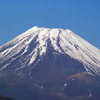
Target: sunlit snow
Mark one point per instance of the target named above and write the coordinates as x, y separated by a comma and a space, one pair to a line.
63, 41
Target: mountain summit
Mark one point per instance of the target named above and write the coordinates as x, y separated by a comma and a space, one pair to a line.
42, 59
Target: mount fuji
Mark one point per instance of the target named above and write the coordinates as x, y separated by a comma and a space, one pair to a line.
49, 64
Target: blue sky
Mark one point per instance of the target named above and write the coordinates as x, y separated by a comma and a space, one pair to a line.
80, 16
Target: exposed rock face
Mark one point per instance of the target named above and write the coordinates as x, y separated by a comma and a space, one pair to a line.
49, 64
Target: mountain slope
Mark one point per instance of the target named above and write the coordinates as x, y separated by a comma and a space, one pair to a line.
45, 61
35, 42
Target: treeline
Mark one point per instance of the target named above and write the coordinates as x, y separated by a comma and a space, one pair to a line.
5, 98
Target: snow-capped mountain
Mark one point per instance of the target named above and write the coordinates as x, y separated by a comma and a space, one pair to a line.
34, 43
46, 58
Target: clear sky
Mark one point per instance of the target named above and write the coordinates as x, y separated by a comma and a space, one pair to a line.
80, 16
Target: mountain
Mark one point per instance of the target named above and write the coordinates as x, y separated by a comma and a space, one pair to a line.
49, 64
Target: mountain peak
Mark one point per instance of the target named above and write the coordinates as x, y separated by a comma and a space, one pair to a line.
36, 41
49, 62
35, 27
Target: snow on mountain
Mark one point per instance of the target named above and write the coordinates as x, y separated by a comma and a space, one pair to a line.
34, 43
